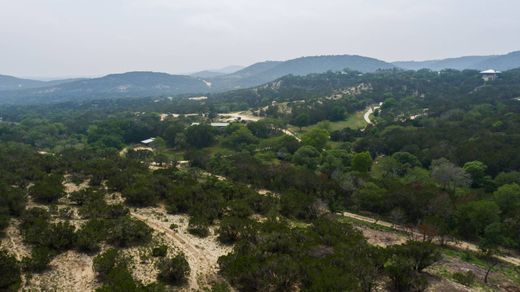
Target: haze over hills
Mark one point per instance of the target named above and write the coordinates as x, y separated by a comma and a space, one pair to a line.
217, 72
131, 84
141, 84
14, 83
260, 73
498, 62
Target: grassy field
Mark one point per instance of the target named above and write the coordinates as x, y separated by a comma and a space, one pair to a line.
354, 121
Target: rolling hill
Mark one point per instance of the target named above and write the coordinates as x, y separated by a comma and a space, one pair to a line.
498, 62
141, 84
263, 72
131, 84
13, 83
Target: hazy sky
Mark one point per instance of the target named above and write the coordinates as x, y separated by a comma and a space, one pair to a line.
93, 37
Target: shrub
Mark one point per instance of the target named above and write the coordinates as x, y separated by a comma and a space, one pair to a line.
9, 272
160, 251
198, 230
105, 262
126, 231
90, 235
466, 279
220, 287
48, 190
62, 236
39, 260
120, 279
174, 271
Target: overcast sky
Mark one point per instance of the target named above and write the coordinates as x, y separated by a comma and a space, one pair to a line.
58, 38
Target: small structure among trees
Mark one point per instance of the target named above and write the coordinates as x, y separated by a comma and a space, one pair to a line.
148, 141
490, 74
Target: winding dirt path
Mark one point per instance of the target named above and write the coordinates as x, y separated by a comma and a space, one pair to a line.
370, 111
289, 133
455, 244
201, 253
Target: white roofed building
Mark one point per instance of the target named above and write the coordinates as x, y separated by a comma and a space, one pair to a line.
148, 141
218, 125
490, 74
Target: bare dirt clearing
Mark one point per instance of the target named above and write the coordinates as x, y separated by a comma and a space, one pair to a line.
440, 274
69, 271
242, 116
455, 244
381, 238
443, 271
202, 253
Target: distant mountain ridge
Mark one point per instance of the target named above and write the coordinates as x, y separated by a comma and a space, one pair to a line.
140, 84
263, 72
131, 84
499, 62
14, 83
143, 84
217, 72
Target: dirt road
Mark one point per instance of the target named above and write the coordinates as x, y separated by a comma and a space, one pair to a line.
370, 111
455, 244
201, 253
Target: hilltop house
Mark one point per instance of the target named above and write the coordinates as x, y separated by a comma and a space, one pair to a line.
219, 125
490, 75
148, 141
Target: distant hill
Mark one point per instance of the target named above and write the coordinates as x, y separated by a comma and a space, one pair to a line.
14, 83
263, 72
207, 74
132, 84
217, 72
503, 62
228, 69
140, 84
498, 62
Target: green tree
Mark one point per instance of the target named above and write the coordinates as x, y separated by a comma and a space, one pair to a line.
105, 262
508, 198
505, 178
477, 171
362, 162
473, 217
334, 160
240, 138
171, 133
141, 192
302, 120
265, 128
406, 159
10, 275
372, 198
489, 246
62, 236
174, 271
316, 138
448, 175
200, 136
307, 156
126, 231
48, 190
39, 260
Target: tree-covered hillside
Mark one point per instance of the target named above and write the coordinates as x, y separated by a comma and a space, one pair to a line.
281, 187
